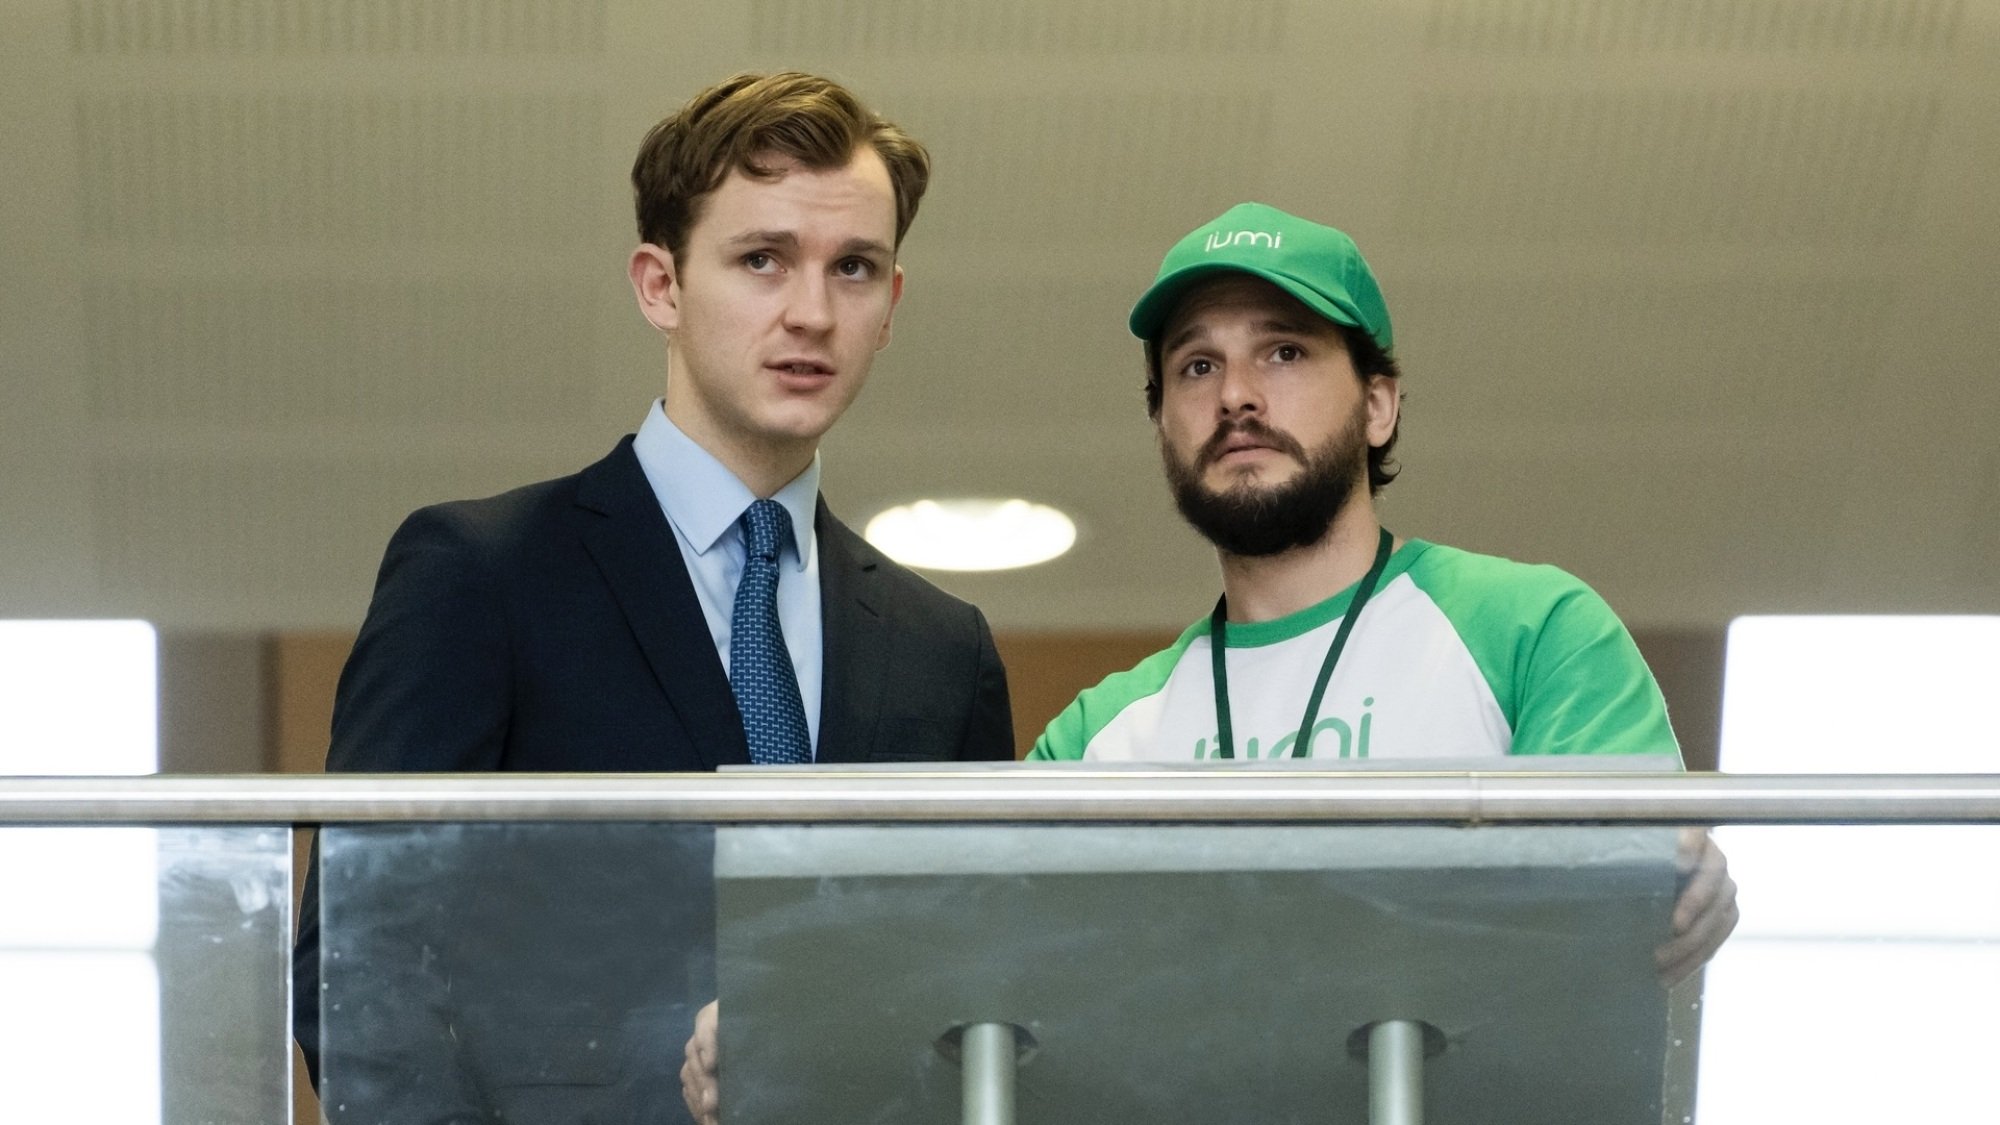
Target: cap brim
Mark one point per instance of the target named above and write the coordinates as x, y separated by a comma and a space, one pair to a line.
1149, 316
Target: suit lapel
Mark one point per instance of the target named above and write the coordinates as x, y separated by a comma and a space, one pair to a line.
635, 551
852, 635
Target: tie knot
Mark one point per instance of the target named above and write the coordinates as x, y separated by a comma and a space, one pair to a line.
766, 525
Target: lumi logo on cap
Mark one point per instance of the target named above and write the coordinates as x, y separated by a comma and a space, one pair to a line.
1223, 239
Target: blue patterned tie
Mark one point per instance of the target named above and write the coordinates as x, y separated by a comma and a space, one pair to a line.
760, 668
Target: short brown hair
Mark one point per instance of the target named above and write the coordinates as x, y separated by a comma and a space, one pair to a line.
815, 121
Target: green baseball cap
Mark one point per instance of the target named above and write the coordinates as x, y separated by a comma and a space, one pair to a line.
1317, 264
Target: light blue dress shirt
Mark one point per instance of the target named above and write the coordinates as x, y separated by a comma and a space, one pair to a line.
703, 500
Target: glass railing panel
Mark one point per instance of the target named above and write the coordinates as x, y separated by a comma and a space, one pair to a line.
143, 973
1202, 973
1141, 973
1137, 970
510, 972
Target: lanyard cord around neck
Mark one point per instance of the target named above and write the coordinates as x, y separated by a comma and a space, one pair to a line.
1218, 645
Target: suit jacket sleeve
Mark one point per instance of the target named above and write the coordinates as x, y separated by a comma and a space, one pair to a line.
989, 731
425, 690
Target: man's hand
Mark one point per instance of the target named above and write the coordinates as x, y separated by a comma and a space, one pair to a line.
1704, 914
698, 1083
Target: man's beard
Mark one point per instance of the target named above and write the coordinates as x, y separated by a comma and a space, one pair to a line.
1258, 520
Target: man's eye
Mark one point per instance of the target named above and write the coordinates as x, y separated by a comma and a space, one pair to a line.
758, 261
1197, 367
856, 267
1288, 353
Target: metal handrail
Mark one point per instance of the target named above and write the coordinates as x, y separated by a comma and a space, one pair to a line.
1017, 794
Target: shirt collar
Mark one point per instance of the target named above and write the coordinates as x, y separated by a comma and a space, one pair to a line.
703, 499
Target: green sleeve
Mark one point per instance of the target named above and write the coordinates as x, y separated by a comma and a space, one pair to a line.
1583, 688
1069, 734
1563, 669
1064, 738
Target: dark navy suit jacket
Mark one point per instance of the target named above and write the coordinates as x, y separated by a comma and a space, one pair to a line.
554, 629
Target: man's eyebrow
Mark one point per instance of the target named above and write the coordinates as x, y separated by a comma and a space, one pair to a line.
783, 238
789, 240
865, 246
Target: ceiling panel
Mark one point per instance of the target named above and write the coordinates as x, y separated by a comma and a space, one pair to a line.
1640, 351
1061, 172
1028, 27
1571, 27
1058, 356
1693, 533
1672, 166
1694, 295
241, 539
303, 352
265, 167
268, 28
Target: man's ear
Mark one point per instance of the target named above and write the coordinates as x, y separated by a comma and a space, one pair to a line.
1385, 406
895, 297
656, 285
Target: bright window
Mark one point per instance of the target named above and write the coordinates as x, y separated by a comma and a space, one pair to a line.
80, 1018
1862, 984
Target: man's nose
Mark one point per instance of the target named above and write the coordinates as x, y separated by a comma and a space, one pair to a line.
1239, 392
809, 304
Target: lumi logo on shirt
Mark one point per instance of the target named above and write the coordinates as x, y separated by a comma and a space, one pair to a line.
1331, 738
1223, 239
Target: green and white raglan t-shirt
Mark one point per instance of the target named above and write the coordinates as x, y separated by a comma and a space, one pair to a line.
1457, 655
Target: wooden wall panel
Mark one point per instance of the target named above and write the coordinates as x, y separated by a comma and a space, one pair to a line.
304, 669
1046, 670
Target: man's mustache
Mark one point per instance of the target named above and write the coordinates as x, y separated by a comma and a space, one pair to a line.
1212, 449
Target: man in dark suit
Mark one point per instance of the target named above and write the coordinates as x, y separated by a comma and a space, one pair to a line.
684, 603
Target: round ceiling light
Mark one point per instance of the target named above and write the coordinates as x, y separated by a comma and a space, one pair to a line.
971, 534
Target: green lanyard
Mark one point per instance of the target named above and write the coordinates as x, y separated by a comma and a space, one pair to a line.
1218, 641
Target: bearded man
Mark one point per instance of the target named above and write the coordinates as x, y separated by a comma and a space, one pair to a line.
1275, 394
